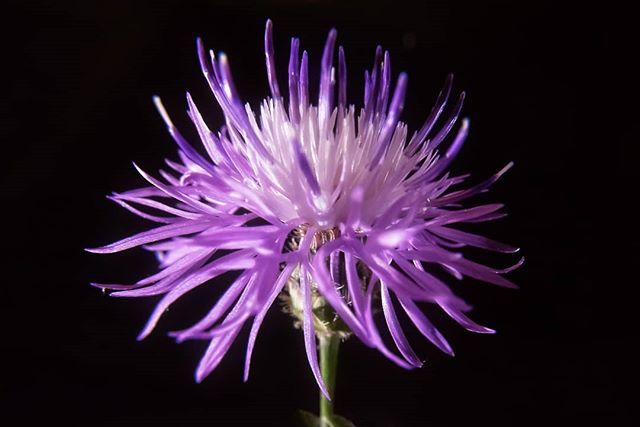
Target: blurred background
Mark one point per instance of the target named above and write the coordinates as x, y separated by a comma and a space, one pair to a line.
552, 88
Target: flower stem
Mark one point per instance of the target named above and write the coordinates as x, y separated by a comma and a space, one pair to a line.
328, 363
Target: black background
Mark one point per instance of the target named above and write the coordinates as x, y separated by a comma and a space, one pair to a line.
551, 88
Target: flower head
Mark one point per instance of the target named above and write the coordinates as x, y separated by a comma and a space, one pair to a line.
328, 204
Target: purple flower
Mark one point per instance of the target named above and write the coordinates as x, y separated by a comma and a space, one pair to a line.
336, 204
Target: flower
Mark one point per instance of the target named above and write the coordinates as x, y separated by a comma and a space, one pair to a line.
338, 201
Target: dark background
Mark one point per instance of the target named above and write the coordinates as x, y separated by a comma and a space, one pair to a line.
551, 88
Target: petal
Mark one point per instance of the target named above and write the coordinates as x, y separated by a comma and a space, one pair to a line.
397, 104
218, 310
309, 332
294, 67
435, 113
239, 260
154, 218
218, 347
481, 272
257, 322
328, 290
375, 335
396, 330
159, 233
186, 148
472, 239
270, 58
177, 194
182, 263
159, 206
464, 215
304, 79
440, 136
464, 321
460, 195
342, 78
325, 93
425, 326
354, 284
305, 167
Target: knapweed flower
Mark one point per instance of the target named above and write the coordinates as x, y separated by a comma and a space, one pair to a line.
331, 205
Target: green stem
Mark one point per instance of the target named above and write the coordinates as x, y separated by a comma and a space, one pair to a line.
328, 364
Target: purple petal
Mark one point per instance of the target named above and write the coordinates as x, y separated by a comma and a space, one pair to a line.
227, 81
191, 152
206, 136
255, 328
375, 335
464, 321
390, 123
440, 136
226, 326
218, 310
239, 260
328, 290
218, 347
342, 78
234, 113
435, 113
371, 89
175, 193
481, 272
472, 240
220, 343
160, 233
159, 206
355, 208
309, 333
237, 237
440, 165
354, 284
304, 79
161, 287
154, 218
270, 57
463, 215
294, 103
325, 94
425, 326
431, 285
460, 195
511, 268
305, 168
181, 264
396, 330
367, 86
487, 217
383, 97
398, 282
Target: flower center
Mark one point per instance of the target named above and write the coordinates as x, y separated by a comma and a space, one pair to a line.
326, 321
320, 237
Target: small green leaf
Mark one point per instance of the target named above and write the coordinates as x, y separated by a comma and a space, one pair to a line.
339, 421
308, 419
